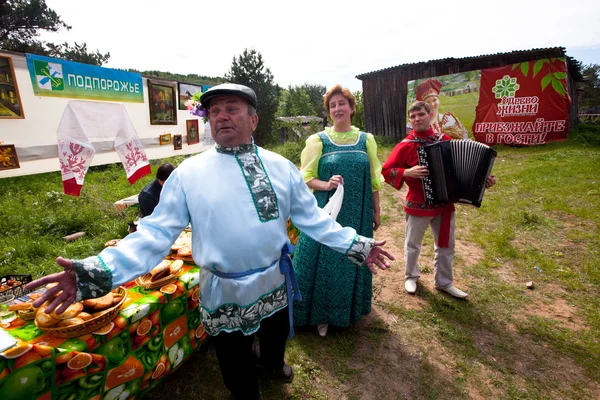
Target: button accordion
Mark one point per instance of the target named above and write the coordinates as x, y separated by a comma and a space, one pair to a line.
458, 171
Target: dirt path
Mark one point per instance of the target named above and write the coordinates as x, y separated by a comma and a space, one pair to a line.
428, 345
411, 361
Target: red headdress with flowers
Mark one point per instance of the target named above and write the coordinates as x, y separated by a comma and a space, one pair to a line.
427, 88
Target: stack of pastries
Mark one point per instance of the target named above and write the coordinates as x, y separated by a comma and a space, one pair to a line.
182, 248
76, 313
164, 269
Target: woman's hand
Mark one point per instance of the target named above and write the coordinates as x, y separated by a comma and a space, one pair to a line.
333, 182
376, 220
67, 284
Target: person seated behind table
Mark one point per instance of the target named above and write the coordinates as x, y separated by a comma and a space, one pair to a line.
149, 196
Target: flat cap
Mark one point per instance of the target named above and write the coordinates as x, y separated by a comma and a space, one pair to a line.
228, 89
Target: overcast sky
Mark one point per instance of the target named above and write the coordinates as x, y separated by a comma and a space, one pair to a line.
324, 42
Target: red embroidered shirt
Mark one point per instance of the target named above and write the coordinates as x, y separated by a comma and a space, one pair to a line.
404, 156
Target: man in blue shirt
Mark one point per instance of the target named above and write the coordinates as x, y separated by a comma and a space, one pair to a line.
238, 198
150, 195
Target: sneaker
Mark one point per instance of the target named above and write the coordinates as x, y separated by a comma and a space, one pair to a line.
410, 285
322, 329
453, 291
285, 374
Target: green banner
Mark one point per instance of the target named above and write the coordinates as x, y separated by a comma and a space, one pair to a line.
53, 77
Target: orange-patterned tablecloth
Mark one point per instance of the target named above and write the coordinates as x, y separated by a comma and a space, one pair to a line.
154, 333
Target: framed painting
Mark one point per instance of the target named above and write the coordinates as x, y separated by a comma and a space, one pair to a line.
8, 157
165, 138
161, 97
191, 127
177, 142
187, 91
10, 100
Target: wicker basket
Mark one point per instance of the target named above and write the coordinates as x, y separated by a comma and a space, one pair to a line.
145, 282
19, 289
90, 325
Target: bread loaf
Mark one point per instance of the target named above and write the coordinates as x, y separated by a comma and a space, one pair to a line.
160, 271
70, 312
21, 306
44, 320
35, 296
99, 303
70, 322
185, 251
116, 299
175, 266
112, 243
84, 316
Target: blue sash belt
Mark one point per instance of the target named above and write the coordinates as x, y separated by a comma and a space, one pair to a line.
286, 268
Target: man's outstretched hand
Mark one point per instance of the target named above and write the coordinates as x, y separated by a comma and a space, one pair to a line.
378, 257
67, 284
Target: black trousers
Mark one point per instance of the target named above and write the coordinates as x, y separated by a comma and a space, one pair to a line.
236, 359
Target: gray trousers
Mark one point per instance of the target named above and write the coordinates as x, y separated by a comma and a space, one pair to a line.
442, 262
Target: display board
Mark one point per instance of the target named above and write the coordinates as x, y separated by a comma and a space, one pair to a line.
35, 113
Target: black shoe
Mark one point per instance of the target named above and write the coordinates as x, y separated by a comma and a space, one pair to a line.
256, 353
285, 374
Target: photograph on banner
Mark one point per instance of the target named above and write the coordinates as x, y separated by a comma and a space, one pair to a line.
452, 99
523, 104
10, 101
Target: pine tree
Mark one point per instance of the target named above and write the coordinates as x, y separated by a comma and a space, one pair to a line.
249, 69
589, 95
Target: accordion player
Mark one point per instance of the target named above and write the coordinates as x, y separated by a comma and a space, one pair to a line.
458, 171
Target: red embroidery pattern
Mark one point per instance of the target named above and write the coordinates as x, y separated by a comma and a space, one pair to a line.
74, 160
132, 155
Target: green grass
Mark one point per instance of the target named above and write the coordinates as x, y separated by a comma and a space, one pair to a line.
35, 216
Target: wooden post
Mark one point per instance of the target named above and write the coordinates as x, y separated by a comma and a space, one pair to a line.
74, 236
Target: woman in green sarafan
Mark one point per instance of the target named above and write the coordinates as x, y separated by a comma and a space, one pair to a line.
335, 291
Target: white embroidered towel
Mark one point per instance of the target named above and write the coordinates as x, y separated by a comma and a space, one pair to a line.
83, 121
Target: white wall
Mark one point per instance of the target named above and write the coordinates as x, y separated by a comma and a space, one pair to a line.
35, 135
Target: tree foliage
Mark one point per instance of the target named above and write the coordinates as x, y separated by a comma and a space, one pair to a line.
359, 115
77, 52
189, 78
20, 24
316, 93
249, 69
294, 101
590, 87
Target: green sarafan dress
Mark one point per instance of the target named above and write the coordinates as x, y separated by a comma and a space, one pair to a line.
334, 290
